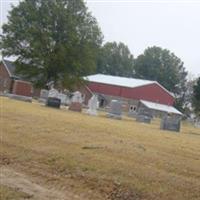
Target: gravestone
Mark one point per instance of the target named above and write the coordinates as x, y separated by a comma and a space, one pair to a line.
53, 100
144, 115
143, 118
53, 93
76, 102
115, 109
43, 96
93, 105
62, 97
170, 123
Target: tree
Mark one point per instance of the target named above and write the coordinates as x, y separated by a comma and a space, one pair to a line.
53, 40
115, 59
166, 68
163, 66
196, 97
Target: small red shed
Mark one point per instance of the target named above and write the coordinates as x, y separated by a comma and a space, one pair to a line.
23, 88
12, 83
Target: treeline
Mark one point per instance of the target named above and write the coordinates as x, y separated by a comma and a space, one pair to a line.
61, 41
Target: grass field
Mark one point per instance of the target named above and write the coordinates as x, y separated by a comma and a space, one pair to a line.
75, 156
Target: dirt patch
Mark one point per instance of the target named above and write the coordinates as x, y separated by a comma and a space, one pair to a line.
22, 183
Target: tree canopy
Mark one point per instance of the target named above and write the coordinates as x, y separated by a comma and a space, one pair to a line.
115, 59
52, 40
163, 66
196, 97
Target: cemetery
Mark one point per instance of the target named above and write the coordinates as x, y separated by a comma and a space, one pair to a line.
93, 106
82, 150
144, 113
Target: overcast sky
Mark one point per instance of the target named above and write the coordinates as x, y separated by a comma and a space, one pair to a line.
174, 25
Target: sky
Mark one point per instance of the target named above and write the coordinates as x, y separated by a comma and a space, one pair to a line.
171, 24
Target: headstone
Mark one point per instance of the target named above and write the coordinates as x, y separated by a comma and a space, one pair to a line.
44, 94
143, 118
144, 115
53, 102
115, 109
53, 93
62, 97
93, 105
77, 97
170, 123
76, 102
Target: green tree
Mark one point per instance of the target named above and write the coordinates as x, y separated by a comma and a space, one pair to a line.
166, 68
163, 66
196, 97
53, 40
115, 59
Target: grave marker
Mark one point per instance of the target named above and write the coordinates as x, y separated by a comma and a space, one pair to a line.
115, 109
170, 123
93, 105
53, 100
144, 115
76, 103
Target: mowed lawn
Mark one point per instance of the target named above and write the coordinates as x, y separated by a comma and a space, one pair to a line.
98, 157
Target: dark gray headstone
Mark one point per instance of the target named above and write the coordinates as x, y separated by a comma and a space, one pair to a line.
143, 118
144, 115
53, 102
146, 112
115, 109
170, 123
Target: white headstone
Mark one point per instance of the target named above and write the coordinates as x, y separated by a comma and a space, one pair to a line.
77, 97
53, 93
62, 97
93, 105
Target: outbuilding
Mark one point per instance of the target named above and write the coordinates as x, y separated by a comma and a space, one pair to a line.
128, 90
159, 110
12, 83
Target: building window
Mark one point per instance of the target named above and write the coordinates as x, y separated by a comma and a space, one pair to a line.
132, 108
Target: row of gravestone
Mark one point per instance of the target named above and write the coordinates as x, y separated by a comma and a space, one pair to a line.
54, 99
170, 123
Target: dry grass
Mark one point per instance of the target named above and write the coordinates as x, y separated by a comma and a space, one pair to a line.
100, 157
8, 193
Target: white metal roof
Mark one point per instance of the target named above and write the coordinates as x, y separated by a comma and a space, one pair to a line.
117, 80
160, 107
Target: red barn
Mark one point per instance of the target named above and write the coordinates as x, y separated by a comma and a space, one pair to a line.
128, 90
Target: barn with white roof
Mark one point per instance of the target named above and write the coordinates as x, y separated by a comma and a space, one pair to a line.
128, 90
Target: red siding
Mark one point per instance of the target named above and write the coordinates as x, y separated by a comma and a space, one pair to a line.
152, 92
22, 88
